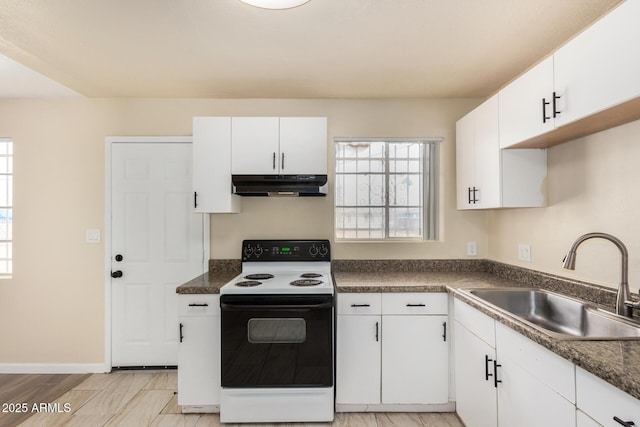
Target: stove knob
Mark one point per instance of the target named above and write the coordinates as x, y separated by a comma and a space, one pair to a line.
323, 250
258, 251
313, 251
248, 250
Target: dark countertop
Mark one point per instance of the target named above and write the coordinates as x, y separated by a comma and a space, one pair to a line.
617, 362
208, 283
412, 281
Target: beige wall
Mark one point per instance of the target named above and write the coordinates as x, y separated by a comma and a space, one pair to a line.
593, 186
52, 311
313, 218
53, 308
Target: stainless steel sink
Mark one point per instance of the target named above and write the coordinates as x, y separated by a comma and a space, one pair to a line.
557, 315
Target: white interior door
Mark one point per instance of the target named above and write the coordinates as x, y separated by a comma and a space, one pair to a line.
157, 243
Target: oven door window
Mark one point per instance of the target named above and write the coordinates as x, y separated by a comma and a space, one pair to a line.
277, 331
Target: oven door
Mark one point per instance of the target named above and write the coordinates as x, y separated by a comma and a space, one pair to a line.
277, 341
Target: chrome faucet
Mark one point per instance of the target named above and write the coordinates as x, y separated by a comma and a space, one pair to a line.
624, 305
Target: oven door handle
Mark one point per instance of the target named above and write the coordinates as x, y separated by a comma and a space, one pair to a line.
270, 307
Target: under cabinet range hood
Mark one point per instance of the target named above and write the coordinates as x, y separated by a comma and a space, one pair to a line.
280, 185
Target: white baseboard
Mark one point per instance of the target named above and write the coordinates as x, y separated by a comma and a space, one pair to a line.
442, 407
200, 409
53, 368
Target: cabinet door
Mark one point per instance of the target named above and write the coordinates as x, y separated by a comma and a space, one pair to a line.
465, 160
358, 360
254, 143
524, 400
599, 68
521, 105
602, 401
303, 145
212, 166
476, 397
487, 161
415, 360
583, 420
199, 361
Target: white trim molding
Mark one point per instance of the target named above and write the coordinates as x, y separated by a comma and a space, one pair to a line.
53, 368
108, 143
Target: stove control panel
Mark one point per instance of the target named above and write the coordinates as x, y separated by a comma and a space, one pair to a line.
285, 250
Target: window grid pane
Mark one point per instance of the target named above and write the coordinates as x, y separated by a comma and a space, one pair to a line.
380, 189
6, 208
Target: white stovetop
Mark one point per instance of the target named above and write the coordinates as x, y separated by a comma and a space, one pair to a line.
284, 273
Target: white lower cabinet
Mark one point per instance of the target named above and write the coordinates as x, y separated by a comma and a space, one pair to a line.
510, 381
415, 360
358, 360
199, 353
392, 349
476, 398
583, 420
599, 402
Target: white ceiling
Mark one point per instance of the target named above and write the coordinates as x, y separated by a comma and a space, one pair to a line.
323, 49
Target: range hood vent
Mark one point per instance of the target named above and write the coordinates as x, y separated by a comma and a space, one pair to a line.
280, 185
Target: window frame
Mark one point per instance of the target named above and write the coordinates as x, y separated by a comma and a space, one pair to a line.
430, 200
8, 207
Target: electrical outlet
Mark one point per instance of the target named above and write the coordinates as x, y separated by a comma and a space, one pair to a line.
472, 249
524, 252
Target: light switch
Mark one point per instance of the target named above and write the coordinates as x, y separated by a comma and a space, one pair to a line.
93, 235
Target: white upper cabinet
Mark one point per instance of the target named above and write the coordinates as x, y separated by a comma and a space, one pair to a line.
212, 166
303, 145
489, 177
465, 159
588, 85
599, 69
478, 157
279, 145
526, 105
255, 145
487, 153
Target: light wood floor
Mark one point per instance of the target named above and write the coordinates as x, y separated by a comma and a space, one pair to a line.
149, 399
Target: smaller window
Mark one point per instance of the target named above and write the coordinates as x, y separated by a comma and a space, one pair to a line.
6, 207
386, 189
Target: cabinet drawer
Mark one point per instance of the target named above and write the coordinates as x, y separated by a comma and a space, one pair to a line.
479, 323
414, 303
355, 303
602, 401
199, 305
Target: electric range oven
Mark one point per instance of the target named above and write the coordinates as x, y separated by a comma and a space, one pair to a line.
277, 334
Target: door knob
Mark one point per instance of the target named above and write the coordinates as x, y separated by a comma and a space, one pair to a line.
119, 258
116, 274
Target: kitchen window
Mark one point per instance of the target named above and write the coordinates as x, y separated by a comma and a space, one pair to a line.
6, 208
386, 189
